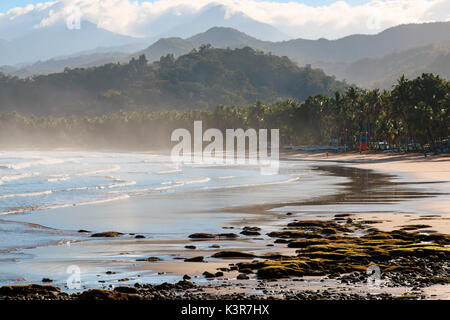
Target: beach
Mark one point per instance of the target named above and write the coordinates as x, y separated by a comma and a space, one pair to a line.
432, 171
349, 195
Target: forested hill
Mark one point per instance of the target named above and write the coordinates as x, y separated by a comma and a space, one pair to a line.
204, 78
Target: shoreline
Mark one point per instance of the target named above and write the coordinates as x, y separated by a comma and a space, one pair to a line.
433, 171
386, 221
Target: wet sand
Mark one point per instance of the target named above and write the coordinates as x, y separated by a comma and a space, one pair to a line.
432, 172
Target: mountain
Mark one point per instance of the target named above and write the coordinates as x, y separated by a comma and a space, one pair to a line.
356, 47
385, 71
366, 60
336, 57
218, 37
49, 42
222, 16
59, 64
221, 37
203, 78
348, 49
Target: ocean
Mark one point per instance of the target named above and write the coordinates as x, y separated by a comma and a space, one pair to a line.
46, 197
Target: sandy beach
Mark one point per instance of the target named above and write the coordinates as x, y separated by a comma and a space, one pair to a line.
433, 171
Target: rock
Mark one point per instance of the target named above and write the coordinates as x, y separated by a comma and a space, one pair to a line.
219, 274
252, 229
242, 276
250, 233
47, 280
233, 254
29, 290
126, 290
150, 259
139, 236
195, 259
83, 231
208, 275
246, 271
110, 272
202, 236
109, 234
228, 235
186, 277
100, 294
289, 214
213, 236
184, 285
214, 246
191, 247
342, 215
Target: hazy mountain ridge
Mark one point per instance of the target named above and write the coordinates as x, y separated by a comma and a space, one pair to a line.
348, 58
47, 43
221, 16
23, 42
337, 57
384, 71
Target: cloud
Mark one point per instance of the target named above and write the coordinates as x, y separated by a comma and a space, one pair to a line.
293, 18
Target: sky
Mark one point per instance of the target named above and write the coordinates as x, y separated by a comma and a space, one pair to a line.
310, 19
5, 5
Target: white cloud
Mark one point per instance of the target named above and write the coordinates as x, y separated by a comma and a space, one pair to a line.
293, 18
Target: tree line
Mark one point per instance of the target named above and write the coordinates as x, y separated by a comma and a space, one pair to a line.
414, 115
203, 78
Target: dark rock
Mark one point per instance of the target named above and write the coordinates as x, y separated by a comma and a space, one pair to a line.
126, 289
186, 277
150, 259
233, 254
100, 294
195, 259
208, 275
191, 247
250, 233
140, 236
109, 234
202, 236
47, 280
242, 276
246, 271
213, 236
27, 290
228, 235
252, 229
